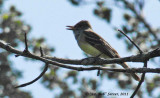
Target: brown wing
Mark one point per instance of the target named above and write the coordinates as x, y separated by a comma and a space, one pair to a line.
99, 43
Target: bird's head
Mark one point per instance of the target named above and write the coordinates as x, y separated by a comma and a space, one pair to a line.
82, 25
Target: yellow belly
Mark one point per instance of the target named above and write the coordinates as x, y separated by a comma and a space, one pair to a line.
88, 49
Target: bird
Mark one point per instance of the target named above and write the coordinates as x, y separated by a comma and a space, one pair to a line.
93, 44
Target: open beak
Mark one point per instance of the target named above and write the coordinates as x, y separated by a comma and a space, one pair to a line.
70, 27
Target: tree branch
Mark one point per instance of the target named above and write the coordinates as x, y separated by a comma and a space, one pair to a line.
99, 61
86, 61
152, 54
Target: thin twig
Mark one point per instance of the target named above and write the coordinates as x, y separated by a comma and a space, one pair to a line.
145, 65
131, 42
45, 69
140, 82
98, 72
41, 51
26, 45
28, 83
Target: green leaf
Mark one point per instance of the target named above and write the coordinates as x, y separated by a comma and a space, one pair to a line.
5, 16
18, 22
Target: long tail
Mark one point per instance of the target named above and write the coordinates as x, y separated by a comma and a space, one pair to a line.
135, 76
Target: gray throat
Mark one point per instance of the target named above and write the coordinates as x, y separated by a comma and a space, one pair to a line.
77, 34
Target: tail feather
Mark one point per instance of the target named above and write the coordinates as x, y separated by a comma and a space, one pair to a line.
135, 76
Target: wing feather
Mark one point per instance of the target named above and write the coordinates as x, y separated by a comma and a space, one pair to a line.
99, 43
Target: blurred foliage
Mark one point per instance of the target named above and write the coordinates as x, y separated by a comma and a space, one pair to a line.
103, 12
12, 30
11, 27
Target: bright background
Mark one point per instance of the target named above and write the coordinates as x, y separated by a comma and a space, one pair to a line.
48, 18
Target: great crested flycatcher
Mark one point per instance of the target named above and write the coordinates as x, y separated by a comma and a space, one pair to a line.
93, 44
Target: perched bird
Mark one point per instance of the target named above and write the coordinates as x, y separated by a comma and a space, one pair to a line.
93, 44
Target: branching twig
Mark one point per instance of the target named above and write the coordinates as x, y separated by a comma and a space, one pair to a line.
131, 41
26, 45
43, 72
